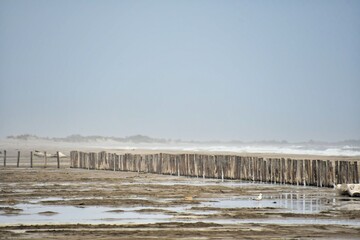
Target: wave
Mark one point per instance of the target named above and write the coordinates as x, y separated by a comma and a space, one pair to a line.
299, 150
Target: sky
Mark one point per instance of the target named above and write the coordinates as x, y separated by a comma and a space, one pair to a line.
191, 69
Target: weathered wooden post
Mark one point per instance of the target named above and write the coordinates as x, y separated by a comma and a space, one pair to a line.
58, 159
119, 166
204, 166
222, 174
303, 173
45, 160
356, 172
31, 159
138, 164
351, 172
18, 159
178, 165
4, 158
272, 170
86, 161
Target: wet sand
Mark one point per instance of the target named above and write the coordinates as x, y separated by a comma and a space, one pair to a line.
75, 203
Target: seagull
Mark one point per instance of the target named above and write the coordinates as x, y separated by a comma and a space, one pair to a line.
259, 197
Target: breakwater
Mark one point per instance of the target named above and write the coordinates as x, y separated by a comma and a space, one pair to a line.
321, 173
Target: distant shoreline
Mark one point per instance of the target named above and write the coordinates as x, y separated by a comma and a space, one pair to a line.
51, 147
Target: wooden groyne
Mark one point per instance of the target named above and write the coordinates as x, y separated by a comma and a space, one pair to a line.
24, 159
321, 173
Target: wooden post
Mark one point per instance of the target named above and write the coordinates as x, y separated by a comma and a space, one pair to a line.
18, 159
351, 172
178, 165
58, 159
303, 173
333, 173
204, 166
317, 167
337, 167
31, 159
45, 160
273, 170
222, 174
356, 172
120, 161
4, 158
138, 164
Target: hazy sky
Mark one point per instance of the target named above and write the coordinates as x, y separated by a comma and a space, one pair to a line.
246, 70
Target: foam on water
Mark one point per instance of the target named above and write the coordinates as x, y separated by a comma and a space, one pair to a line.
287, 149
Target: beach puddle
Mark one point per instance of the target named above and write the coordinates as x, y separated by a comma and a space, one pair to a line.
289, 202
34, 212
69, 214
287, 221
49, 200
41, 214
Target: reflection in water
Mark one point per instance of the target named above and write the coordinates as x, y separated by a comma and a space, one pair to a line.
301, 203
290, 202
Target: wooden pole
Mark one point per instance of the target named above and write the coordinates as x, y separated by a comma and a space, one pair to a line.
18, 159
58, 159
45, 160
4, 158
31, 159
204, 167
178, 164
138, 164
222, 174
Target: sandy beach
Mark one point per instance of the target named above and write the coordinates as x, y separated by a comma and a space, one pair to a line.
73, 203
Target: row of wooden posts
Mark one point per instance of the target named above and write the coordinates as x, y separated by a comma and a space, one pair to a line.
31, 159
321, 173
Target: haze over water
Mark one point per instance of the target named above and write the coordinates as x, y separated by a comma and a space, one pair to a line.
192, 70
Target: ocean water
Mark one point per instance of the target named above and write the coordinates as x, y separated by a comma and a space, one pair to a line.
324, 149
351, 151
293, 149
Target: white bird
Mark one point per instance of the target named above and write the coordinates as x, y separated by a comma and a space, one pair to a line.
259, 197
